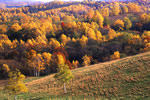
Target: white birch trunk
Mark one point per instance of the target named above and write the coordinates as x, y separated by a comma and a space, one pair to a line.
38, 74
65, 88
15, 97
34, 74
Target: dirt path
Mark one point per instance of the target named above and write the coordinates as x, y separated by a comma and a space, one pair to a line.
40, 80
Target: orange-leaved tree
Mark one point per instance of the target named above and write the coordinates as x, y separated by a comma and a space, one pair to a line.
116, 55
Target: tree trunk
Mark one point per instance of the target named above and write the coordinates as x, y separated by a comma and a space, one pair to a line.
15, 97
65, 88
38, 74
34, 73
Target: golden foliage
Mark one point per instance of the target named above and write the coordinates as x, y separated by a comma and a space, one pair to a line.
146, 36
54, 44
83, 41
47, 57
6, 68
112, 34
5, 43
61, 59
124, 9
104, 12
144, 18
75, 64
115, 10
116, 55
64, 39
98, 36
127, 23
38, 62
91, 34
15, 84
134, 39
133, 7
98, 18
119, 25
86, 60
16, 27
3, 29
90, 13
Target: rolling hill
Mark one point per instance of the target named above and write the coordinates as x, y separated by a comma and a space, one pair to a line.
9, 1
127, 78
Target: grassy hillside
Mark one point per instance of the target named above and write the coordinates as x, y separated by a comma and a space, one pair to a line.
127, 78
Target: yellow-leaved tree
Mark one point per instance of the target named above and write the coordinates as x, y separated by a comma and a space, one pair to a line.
37, 62
54, 44
98, 35
147, 47
144, 18
3, 29
146, 36
15, 83
64, 39
75, 64
16, 27
4, 70
86, 60
124, 9
104, 12
64, 75
127, 23
47, 58
91, 34
90, 14
83, 41
118, 25
98, 18
115, 10
112, 34
116, 55
57, 58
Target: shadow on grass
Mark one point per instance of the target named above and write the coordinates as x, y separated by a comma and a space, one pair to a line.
37, 99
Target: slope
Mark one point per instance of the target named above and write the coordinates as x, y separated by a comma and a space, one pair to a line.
127, 78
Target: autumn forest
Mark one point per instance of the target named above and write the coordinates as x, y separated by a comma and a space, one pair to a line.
46, 38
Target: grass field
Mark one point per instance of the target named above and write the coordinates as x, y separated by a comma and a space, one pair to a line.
127, 78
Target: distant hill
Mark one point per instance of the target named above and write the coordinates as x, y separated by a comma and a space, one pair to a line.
9, 1
2, 5
17, 3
